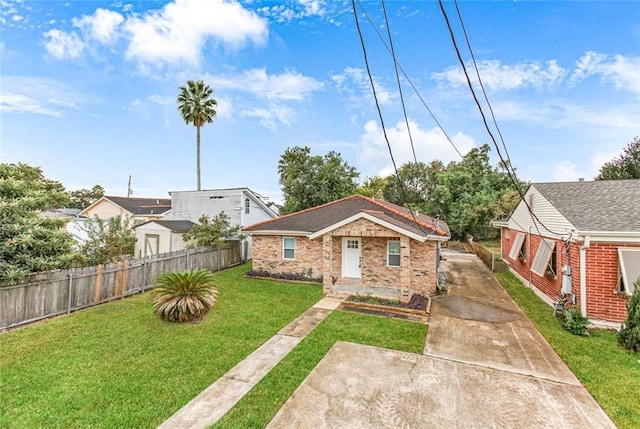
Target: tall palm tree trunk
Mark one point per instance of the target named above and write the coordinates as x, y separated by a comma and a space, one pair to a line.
198, 155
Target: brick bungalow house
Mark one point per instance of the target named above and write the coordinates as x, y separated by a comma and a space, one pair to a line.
358, 245
584, 244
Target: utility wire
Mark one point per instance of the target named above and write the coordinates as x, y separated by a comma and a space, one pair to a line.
406, 76
486, 125
486, 98
395, 64
384, 130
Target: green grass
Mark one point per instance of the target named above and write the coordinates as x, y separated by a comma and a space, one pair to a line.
259, 406
119, 366
491, 245
610, 373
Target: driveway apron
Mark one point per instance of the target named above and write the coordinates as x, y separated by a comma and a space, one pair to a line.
484, 366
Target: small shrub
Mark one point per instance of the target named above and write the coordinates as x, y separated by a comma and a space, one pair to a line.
186, 296
575, 322
629, 335
301, 277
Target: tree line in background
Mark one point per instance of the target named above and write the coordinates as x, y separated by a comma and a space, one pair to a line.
468, 195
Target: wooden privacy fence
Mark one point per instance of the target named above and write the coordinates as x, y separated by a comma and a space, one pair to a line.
58, 292
488, 257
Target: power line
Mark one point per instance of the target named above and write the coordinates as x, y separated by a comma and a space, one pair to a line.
486, 125
406, 76
384, 130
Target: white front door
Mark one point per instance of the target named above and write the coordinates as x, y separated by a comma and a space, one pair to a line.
351, 257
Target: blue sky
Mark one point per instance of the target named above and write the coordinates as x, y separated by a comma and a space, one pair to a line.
88, 88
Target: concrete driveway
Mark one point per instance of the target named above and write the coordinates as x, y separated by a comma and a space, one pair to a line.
484, 366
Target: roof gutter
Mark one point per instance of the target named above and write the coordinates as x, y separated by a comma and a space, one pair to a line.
610, 236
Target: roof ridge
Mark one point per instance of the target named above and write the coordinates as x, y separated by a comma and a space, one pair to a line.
302, 211
405, 216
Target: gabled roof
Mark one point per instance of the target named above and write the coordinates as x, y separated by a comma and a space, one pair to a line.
173, 225
137, 206
601, 205
325, 217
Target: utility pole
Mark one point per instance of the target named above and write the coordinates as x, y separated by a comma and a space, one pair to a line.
129, 191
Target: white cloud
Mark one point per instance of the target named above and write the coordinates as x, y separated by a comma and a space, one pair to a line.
620, 70
567, 171
272, 116
373, 153
355, 84
63, 45
300, 10
177, 33
19, 103
290, 85
25, 94
500, 77
102, 26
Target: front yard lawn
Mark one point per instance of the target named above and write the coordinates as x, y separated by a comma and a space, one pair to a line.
259, 406
610, 373
119, 366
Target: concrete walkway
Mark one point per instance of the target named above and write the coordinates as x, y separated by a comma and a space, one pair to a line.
214, 402
484, 366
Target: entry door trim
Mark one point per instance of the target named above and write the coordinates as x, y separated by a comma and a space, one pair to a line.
352, 257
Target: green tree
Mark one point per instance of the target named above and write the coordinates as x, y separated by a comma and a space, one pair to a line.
83, 198
373, 187
197, 107
212, 232
471, 193
413, 184
308, 181
108, 241
30, 243
626, 166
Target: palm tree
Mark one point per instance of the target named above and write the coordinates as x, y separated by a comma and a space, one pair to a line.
197, 107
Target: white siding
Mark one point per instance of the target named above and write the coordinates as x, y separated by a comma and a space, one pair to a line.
522, 220
191, 205
169, 241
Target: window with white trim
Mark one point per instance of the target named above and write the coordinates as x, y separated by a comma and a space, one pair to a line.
247, 206
545, 260
288, 248
393, 253
628, 269
519, 247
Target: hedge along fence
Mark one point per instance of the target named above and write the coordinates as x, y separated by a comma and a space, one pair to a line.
53, 293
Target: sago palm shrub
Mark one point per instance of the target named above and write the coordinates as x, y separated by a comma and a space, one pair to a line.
185, 296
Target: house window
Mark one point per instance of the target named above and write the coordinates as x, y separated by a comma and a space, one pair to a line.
393, 253
247, 206
289, 248
545, 260
628, 269
518, 249
353, 244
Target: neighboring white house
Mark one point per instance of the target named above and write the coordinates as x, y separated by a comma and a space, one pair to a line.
160, 236
242, 205
75, 222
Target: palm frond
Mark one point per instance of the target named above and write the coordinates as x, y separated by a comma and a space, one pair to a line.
185, 296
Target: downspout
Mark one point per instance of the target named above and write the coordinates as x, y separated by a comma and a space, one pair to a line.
583, 274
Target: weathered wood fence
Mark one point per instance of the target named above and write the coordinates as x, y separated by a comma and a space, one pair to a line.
488, 257
58, 292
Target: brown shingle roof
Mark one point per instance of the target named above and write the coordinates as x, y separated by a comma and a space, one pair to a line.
318, 218
142, 206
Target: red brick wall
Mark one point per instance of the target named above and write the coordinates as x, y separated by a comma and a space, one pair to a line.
603, 300
416, 275
267, 255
